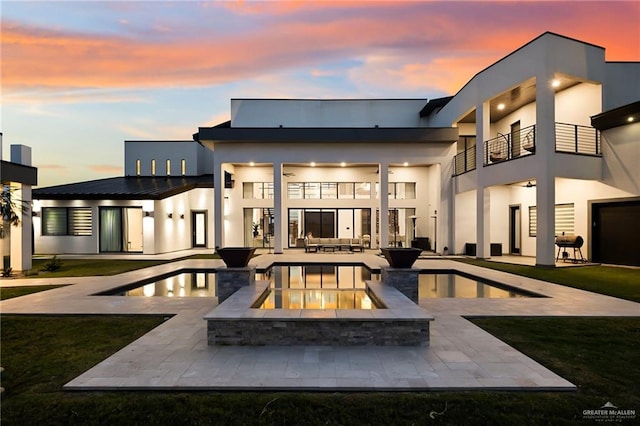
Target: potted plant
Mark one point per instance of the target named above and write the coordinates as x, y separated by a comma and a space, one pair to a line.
255, 226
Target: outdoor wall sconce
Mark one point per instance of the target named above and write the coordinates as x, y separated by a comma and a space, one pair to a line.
182, 216
170, 215
35, 214
148, 214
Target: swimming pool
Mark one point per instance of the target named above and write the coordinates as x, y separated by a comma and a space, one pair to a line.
286, 278
452, 285
317, 299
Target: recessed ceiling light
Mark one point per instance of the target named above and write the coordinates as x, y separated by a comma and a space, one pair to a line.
500, 107
555, 83
630, 119
343, 164
313, 164
405, 164
252, 163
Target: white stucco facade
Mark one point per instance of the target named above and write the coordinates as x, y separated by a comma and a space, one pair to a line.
491, 166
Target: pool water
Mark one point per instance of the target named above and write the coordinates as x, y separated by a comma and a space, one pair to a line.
286, 280
342, 277
457, 286
316, 299
184, 284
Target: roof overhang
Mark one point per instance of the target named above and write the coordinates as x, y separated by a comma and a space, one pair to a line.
14, 172
626, 114
326, 134
125, 188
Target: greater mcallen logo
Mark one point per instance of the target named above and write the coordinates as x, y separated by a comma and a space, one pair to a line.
609, 413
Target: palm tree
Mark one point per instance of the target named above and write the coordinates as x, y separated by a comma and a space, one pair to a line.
10, 210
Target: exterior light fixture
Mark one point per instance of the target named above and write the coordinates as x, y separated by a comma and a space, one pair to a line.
343, 164
252, 163
555, 83
405, 164
630, 119
148, 214
182, 216
313, 164
501, 106
170, 215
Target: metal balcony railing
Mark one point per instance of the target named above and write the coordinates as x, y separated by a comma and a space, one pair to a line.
464, 161
576, 139
510, 146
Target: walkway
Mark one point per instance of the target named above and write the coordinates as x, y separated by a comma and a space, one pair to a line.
175, 355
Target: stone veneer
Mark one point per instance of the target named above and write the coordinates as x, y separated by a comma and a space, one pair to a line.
229, 280
401, 323
405, 280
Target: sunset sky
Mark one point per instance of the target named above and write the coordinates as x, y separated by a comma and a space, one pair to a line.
80, 77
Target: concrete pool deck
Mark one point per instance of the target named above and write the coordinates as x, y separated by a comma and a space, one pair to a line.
175, 355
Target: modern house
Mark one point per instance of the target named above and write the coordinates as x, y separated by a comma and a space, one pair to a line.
542, 143
17, 177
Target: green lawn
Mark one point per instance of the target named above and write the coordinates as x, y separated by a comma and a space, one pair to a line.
610, 280
600, 355
10, 292
99, 267
41, 353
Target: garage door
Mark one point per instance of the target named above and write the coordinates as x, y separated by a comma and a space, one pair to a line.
616, 233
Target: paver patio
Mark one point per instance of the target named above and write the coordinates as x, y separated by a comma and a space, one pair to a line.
175, 355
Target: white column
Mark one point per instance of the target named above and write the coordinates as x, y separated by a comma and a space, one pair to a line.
483, 200
451, 217
218, 202
384, 204
277, 208
374, 205
545, 180
21, 234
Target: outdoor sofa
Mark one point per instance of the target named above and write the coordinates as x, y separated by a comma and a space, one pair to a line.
313, 244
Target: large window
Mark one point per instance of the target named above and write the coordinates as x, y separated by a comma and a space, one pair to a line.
66, 221
402, 190
564, 220
328, 190
257, 190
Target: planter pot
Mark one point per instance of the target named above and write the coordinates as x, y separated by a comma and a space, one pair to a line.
236, 257
401, 257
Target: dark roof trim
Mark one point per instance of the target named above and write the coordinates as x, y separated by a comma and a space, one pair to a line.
15, 172
617, 116
125, 188
434, 104
326, 135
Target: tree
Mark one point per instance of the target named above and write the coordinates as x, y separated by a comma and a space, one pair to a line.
10, 210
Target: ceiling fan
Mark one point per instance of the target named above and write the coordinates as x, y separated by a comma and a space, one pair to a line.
288, 174
529, 185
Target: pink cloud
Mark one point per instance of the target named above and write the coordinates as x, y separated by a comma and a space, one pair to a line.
448, 42
105, 168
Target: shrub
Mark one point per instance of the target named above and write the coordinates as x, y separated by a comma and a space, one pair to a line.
52, 265
6, 272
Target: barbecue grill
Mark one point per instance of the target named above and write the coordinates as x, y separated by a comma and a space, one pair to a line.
574, 242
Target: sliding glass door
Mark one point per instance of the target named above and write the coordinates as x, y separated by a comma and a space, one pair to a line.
121, 229
328, 223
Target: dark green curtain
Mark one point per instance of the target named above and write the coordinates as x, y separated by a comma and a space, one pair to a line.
110, 229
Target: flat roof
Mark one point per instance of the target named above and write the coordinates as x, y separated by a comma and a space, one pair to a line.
15, 172
327, 134
125, 188
617, 116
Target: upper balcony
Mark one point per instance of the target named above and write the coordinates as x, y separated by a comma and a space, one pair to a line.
570, 138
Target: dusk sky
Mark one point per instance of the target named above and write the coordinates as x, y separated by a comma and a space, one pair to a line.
79, 78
